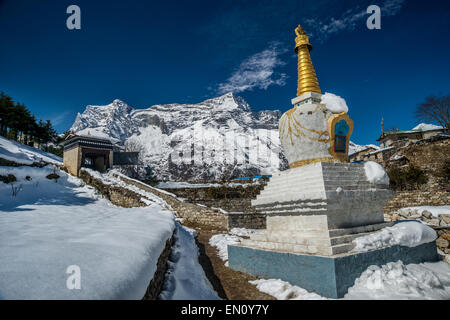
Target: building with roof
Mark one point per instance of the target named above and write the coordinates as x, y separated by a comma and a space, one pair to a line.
403, 137
86, 151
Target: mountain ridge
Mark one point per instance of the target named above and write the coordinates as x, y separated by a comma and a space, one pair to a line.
225, 137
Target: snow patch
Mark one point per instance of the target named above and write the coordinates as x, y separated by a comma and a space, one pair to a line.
221, 242
408, 233
426, 127
20, 153
375, 173
398, 281
334, 103
185, 278
283, 290
392, 281
434, 210
53, 224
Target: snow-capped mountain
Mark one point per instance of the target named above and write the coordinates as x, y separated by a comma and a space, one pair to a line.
219, 137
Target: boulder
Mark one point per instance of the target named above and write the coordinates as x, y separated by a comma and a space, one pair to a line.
427, 214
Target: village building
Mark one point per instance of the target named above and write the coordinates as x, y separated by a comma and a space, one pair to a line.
401, 138
361, 155
100, 154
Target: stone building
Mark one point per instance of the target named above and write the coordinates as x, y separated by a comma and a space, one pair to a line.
88, 152
402, 137
362, 155
95, 153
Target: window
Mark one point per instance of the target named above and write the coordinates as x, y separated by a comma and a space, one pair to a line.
339, 144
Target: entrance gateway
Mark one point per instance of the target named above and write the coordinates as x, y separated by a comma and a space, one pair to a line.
86, 151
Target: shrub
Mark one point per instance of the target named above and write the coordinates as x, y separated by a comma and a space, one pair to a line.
409, 178
8, 178
445, 171
52, 176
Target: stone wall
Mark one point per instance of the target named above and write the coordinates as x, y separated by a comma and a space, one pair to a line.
155, 286
232, 199
440, 223
117, 195
416, 198
247, 220
72, 160
191, 213
201, 215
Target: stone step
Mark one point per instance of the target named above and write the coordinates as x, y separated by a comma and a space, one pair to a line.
359, 230
307, 211
312, 239
292, 204
294, 184
298, 248
277, 199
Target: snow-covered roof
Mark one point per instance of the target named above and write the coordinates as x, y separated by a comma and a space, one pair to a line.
427, 127
423, 127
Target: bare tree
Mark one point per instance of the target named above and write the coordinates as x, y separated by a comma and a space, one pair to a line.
435, 109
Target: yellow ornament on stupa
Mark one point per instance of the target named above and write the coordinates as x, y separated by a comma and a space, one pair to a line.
310, 131
307, 79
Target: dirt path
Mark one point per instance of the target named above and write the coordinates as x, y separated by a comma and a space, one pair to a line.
229, 284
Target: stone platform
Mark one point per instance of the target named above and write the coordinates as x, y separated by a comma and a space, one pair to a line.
307, 234
341, 191
314, 213
327, 276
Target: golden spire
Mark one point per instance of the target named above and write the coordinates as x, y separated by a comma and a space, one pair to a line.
307, 79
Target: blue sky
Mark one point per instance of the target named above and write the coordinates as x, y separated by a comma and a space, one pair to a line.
151, 52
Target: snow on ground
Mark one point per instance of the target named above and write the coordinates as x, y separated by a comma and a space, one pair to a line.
392, 281
406, 233
185, 278
115, 173
282, 290
334, 103
434, 210
20, 153
51, 225
375, 173
110, 178
398, 281
221, 241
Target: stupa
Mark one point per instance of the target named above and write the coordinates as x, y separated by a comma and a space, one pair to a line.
317, 207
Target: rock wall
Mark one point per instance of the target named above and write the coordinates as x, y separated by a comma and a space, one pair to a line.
201, 215
232, 199
118, 196
247, 220
156, 284
416, 198
440, 223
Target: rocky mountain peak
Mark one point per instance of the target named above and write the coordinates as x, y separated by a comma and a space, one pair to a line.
205, 128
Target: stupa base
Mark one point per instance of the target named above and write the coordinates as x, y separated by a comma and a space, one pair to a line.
328, 276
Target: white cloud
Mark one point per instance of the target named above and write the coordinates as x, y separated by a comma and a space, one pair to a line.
349, 19
257, 71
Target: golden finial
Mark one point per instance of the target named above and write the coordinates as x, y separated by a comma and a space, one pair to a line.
307, 79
